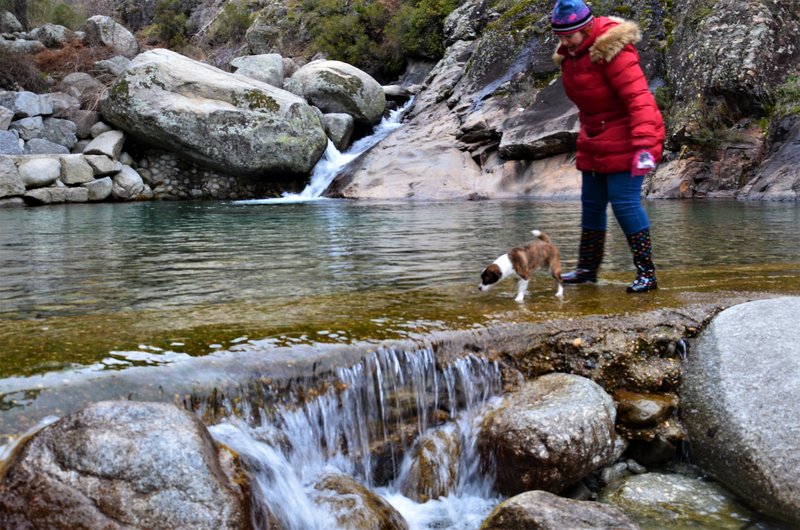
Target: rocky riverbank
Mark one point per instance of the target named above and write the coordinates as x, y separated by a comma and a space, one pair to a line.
629, 367
490, 119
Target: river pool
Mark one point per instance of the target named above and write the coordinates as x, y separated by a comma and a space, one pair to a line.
143, 283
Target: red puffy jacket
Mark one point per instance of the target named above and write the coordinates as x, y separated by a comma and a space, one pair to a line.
618, 114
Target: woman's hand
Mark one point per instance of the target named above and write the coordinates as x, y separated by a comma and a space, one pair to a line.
643, 163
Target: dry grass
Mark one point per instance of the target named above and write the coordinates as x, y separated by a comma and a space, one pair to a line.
74, 57
18, 72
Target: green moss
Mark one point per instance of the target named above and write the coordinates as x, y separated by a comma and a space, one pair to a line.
663, 97
788, 97
350, 83
121, 90
257, 100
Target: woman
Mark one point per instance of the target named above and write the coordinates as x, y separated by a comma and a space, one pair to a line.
621, 134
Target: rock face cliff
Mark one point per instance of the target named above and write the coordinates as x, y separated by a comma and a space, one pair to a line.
492, 120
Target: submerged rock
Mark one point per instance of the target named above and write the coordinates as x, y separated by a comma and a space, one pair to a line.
549, 435
544, 511
433, 469
122, 465
356, 507
659, 500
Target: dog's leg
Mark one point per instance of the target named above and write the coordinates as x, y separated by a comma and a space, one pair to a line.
522, 286
555, 272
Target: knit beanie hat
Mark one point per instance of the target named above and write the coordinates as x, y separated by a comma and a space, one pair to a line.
570, 16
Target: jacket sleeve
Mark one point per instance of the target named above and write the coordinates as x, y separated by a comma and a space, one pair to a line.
624, 74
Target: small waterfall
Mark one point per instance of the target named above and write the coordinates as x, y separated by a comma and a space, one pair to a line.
363, 425
333, 161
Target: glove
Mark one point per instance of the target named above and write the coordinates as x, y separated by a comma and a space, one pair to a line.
643, 163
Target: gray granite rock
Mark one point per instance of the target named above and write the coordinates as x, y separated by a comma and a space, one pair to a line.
40, 172
10, 180
10, 143
736, 403
40, 146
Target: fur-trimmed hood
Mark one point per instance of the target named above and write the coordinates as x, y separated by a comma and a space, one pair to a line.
615, 34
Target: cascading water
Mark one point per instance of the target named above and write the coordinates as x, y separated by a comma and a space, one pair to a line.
333, 161
365, 426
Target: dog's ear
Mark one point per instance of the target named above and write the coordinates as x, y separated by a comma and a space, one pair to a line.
491, 274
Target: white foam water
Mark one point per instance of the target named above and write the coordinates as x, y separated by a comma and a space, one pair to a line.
337, 431
333, 161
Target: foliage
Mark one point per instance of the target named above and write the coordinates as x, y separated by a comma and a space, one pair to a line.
417, 28
41, 12
68, 13
788, 97
18, 72
232, 23
169, 22
377, 35
73, 57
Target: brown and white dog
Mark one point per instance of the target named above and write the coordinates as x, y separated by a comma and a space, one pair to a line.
520, 262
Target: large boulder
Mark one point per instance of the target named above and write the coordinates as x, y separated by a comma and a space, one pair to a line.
9, 23
122, 465
334, 86
217, 119
267, 68
742, 428
53, 35
105, 31
39, 172
25, 104
553, 432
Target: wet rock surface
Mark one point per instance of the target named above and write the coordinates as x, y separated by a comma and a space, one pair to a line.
121, 465
546, 511
355, 506
660, 500
550, 434
738, 367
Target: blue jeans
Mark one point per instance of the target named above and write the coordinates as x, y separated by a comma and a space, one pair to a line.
622, 191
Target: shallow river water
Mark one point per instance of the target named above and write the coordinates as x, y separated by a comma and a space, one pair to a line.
81, 282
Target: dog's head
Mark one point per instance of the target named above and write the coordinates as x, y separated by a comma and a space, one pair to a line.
490, 276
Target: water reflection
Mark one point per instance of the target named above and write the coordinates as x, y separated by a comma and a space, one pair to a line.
114, 257
82, 281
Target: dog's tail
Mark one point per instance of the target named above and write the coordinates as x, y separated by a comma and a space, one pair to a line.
541, 235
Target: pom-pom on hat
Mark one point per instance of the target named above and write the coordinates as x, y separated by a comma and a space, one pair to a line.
570, 16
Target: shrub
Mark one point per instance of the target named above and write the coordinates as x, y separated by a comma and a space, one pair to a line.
169, 22
74, 57
418, 28
788, 97
18, 72
232, 23
42, 12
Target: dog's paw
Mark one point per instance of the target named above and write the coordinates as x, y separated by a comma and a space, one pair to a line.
519, 299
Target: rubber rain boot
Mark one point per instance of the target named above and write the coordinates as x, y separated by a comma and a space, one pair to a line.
643, 260
590, 255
